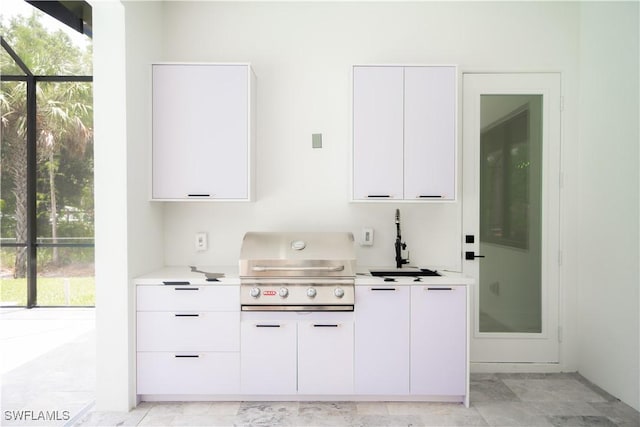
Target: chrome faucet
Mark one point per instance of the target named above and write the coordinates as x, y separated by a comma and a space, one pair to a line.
400, 245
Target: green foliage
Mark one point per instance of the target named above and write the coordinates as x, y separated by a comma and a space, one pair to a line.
43, 52
64, 176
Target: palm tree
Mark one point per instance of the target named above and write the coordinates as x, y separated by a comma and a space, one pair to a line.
14, 160
63, 119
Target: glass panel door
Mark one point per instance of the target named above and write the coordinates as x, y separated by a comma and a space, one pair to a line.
511, 158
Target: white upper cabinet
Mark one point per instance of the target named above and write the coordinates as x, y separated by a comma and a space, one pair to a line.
377, 132
404, 132
429, 132
202, 131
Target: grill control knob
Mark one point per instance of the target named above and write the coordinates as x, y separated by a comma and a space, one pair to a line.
283, 292
254, 292
339, 292
311, 293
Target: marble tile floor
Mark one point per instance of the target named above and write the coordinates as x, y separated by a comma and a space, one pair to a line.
49, 364
47, 358
497, 400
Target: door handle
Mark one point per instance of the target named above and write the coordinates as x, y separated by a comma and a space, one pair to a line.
470, 255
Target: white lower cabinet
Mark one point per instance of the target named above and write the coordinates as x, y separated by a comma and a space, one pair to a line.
188, 339
400, 341
268, 357
382, 340
297, 353
188, 373
438, 340
325, 357
184, 331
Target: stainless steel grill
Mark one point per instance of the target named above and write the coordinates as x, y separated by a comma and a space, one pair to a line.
305, 271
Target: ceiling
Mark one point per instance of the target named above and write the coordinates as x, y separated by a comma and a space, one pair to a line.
75, 14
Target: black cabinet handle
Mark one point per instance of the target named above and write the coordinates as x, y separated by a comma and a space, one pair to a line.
378, 196
428, 196
383, 289
267, 326
199, 195
439, 289
187, 356
187, 289
186, 315
320, 325
169, 283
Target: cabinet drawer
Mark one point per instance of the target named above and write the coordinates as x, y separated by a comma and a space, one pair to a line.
188, 373
188, 331
188, 297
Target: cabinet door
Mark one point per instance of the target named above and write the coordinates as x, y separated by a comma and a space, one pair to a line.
429, 133
382, 340
377, 132
325, 357
438, 340
188, 373
200, 131
268, 357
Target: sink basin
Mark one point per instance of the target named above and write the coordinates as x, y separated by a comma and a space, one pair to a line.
410, 272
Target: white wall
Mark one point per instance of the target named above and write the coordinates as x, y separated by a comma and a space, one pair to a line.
609, 277
129, 236
145, 239
302, 54
112, 295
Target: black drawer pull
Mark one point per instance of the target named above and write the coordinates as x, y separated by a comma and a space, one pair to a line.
187, 289
199, 195
187, 356
320, 325
383, 289
267, 326
186, 315
176, 283
378, 196
427, 196
439, 289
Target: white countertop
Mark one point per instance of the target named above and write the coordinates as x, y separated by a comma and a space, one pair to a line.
184, 274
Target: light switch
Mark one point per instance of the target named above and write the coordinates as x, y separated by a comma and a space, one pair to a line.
201, 242
367, 237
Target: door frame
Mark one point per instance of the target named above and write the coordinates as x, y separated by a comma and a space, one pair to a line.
542, 350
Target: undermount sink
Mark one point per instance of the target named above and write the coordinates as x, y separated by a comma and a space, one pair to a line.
411, 272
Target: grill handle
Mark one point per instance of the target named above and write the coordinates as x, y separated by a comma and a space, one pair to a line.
262, 268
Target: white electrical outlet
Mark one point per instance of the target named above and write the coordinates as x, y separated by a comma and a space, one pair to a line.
367, 237
201, 242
